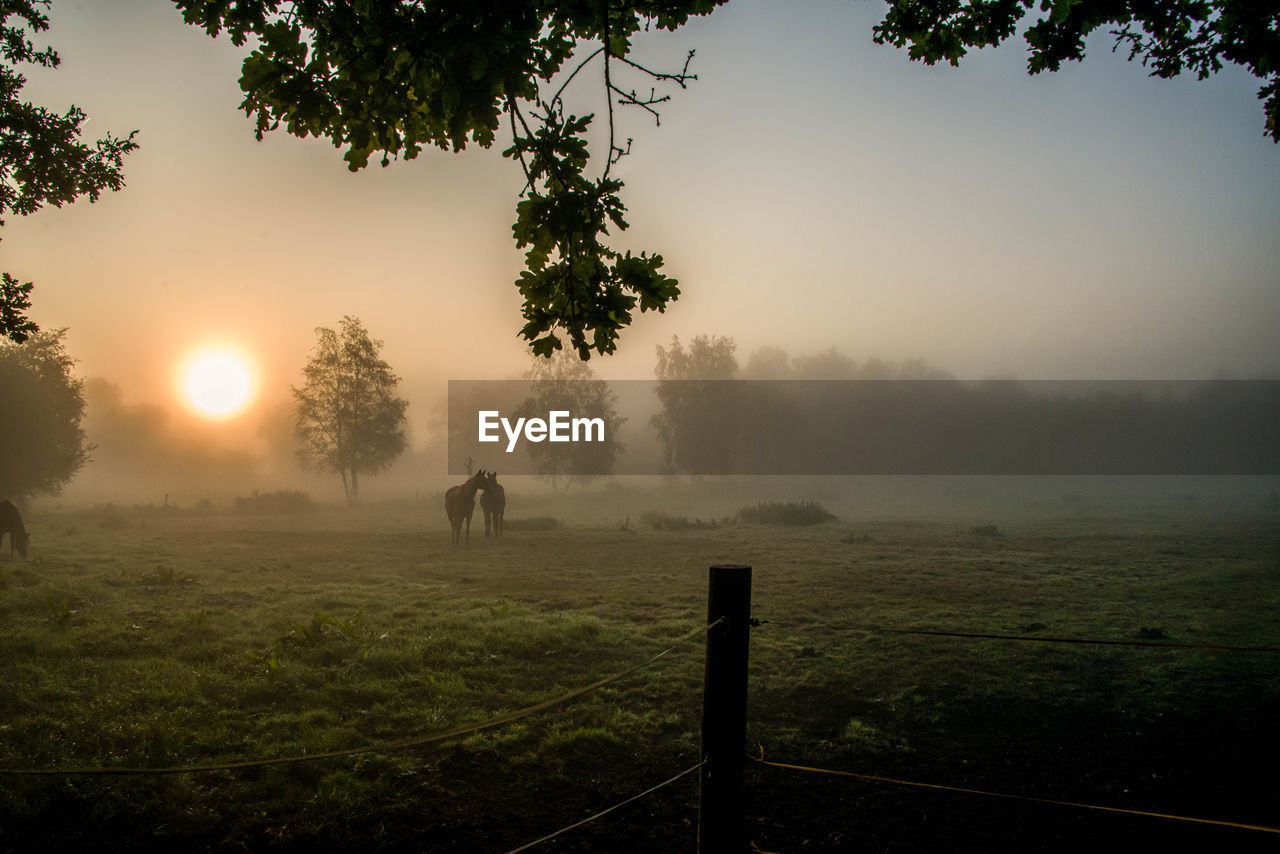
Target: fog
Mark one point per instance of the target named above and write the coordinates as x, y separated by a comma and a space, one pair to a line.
879, 219
143, 455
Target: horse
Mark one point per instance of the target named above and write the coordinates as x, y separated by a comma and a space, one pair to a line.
493, 501
11, 524
460, 503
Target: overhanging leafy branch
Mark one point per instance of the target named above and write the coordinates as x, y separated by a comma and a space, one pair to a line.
42, 158
395, 76
376, 76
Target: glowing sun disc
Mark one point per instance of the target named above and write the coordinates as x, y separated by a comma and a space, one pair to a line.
217, 383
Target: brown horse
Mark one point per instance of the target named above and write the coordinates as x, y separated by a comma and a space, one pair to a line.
11, 524
460, 503
493, 501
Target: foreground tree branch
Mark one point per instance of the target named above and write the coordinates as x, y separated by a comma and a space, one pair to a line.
391, 77
42, 160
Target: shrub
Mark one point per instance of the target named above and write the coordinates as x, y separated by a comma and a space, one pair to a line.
786, 513
280, 501
165, 576
663, 522
985, 531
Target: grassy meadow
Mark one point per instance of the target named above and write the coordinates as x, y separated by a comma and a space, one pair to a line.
149, 637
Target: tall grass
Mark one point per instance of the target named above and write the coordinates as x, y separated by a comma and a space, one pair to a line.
785, 513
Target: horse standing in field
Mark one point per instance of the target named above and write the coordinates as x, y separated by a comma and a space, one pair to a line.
493, 501
460, 503
11, 524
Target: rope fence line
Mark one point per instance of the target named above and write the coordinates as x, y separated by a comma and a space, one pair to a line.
1033, 638
760, 760
607, 810
382, 747
510, 717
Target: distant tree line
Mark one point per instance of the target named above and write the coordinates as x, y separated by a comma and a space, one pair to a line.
805, 414
711, 422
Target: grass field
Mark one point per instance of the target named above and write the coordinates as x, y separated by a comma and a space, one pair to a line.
152, 638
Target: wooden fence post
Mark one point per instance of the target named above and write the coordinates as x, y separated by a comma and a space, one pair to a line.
724, 711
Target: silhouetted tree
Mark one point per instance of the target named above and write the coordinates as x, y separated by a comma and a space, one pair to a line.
42, 160
391, 77
698, 424
768, 363
15, 299
1167, 36
566, 383
349, 419
42, 444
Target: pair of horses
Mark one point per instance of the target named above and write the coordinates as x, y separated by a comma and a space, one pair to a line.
11, 524
460, 503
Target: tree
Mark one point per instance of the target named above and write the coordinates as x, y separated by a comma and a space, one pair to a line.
349, 419
42, 160
393, 76
42, 444
1167, 36
15, 299
565, 383
699, 421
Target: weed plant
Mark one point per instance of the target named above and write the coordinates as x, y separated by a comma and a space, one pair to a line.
785, 513
667, 522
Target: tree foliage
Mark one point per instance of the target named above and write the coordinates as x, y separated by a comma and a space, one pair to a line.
565, 383
42, 160
699, 422
1167, 36
386, 78
15, 299
348, 418
42, 444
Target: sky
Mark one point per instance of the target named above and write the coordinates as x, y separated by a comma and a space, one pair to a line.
810, 190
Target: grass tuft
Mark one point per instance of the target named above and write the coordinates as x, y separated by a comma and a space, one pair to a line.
280, 501
665, 522
785, 513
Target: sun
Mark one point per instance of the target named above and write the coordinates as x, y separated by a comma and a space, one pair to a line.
217, 382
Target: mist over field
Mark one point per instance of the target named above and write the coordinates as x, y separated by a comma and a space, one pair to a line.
147, 454
976, 370
150, 637
195, 598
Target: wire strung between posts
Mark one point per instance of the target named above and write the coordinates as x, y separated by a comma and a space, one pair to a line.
384, 747
1028, 798
1035, 638
607, 810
